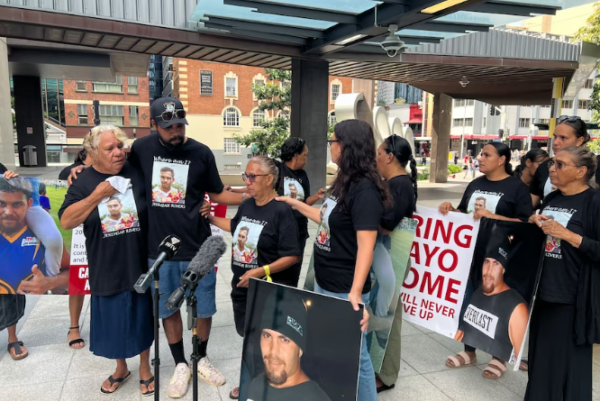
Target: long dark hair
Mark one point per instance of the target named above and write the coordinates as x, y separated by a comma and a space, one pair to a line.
579, 127
357, 160
503, 150
291, 147
400, 148
534, 155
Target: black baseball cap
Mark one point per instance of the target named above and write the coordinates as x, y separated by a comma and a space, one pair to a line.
499, 247
172, 107
285, 313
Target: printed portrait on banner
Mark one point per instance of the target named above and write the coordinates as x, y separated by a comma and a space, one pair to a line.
293, 189
119, 212
294, 351
244, 251
169, 182
483, 200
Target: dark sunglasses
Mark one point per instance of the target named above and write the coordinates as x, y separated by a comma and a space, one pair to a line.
570, 119
252, 177
169, 115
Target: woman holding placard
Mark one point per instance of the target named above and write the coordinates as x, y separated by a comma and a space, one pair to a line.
495, 195
566, 316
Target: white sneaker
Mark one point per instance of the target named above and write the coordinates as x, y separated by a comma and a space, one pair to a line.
180, 381
209, 374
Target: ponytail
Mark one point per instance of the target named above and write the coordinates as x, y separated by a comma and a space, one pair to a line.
413, 178
402, 151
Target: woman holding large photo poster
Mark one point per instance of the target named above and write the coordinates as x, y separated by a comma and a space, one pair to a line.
566, 317
348, 224
496, 195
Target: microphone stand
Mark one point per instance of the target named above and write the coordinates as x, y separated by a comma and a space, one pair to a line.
192, 312
156, 360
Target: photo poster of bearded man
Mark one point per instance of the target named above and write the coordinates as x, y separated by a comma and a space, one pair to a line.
500, 291
299, 346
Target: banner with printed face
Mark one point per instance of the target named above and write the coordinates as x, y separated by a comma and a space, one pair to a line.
441, 256
500, 291
299, 346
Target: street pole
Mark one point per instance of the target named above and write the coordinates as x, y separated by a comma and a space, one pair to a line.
462, 137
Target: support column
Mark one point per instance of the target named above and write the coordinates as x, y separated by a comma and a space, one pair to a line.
440, 137
7, 154
31, 130
310, 85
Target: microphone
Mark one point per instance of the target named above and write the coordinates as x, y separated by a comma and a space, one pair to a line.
166, 250
201, 265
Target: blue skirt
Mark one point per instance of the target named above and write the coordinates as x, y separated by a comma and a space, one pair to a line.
121, 325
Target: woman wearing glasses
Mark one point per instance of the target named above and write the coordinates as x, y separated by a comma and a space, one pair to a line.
352, 213
566, 319
265, 238
496, 195
570, 131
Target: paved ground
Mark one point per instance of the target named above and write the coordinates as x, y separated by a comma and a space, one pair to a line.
55, 372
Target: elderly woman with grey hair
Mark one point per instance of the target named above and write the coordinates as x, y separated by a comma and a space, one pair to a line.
109, 200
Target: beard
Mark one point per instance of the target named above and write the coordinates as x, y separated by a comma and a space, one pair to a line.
9, 230
275, 378
487, 285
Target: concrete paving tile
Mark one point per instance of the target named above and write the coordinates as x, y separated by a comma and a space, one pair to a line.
456, 346
206, 392
50, 306
409, 329
596, 357
424, 354
467, 384
224, 315
29, 307
415, 388
42, 391
223, 292
515, 381
44, 364
85, 364
406, 370
225, 343
422, 329
88, 388
37, 332
231, 369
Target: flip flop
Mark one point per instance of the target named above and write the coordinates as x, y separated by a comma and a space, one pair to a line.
77, 341
112, 381
19, 354
147, 383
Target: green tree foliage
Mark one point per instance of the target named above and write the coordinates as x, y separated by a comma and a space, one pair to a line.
594, 146
591, 33
274, 97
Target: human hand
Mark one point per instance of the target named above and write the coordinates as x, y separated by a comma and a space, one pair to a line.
445, 208
227, 188
538, 219
321, 193
10, 174
355, 299
105, 190
37, 285
554, 229
205, 209
483, 212
74, 172
253, 273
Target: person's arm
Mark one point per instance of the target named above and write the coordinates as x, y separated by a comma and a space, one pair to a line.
235, 190
214, 185
40, 284
76, 213
227, 198
259, 272
517, 326
306, 210
220, 222
364, 259
311, 200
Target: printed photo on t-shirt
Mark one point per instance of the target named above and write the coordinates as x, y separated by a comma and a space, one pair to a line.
245, 243
553, 249
169, 182
548, 187
483, 200
293, 189
323, 234
119, 213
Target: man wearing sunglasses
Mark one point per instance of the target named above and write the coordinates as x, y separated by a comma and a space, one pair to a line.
197, 173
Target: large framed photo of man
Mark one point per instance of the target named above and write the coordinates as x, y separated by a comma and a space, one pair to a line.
299, 346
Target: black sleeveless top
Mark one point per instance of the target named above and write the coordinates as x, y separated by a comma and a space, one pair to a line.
486, 319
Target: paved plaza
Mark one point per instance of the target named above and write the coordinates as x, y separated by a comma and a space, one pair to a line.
53, 371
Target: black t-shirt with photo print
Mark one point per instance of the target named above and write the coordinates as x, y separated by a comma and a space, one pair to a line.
404, 202
540, 183
116, 248
192, 171
290, 183
508, 197
560, 273
262, 235
336, 247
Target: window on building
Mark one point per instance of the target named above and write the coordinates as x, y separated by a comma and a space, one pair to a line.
470, 102
133, 116
257, 117
80, 86
331, 118
206, 83
233, 167
231, 117
285, 85
335, 91
82, 112
230, 87
468, 122
544, 121
584, 104
567, 104
109, 87
132, 85
259, 82
284, 114
459, 102
110, 114
458, 122
484, 122
524, 122
589, 84
231, 146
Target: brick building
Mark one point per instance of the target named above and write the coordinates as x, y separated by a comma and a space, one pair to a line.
219, 101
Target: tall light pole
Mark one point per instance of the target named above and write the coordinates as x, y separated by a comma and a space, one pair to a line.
462, 137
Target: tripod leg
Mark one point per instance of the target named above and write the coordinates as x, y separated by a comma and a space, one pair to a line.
156, 361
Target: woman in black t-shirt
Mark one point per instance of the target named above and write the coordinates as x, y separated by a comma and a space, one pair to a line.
265, 238
114, 224
529, 164
565, 320
348, 223
570, 131
496, 195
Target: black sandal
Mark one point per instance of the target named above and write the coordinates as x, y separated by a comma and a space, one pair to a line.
19, 354
147, 383
77, 341
385, 387
112, 381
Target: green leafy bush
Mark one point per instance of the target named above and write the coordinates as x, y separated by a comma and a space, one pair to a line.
454, 169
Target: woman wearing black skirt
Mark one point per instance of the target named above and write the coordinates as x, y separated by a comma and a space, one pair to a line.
114, 224
565, 321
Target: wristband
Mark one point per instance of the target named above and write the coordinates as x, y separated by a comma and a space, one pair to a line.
268, 273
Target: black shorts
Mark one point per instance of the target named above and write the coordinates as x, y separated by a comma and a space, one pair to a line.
12, 309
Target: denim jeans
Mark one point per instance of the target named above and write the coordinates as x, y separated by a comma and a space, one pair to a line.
367, 389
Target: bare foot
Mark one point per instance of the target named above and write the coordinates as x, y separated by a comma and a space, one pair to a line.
146, 374
120, 373
75, 334
235, 393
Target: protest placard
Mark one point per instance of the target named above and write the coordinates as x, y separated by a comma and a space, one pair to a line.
79, 283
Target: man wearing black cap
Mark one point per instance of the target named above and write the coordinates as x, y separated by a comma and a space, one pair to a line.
496, 317
169, 150
282, 343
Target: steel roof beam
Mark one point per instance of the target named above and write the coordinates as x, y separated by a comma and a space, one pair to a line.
265, 27
453, 27
296, 11
510, 8
256, 34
